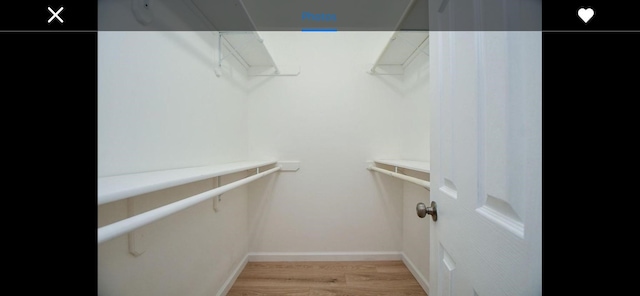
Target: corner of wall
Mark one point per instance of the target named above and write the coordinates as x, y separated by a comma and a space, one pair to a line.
233, 276
422, 280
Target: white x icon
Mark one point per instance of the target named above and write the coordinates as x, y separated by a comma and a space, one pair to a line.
55, 14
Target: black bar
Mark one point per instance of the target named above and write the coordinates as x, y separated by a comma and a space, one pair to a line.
608, 15
34, 15
84, 15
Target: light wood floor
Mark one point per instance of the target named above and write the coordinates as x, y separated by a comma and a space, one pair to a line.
326, 278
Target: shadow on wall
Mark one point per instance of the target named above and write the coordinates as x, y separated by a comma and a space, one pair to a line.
259, 205
388, 189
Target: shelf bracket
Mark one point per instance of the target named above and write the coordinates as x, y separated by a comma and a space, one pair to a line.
216, 201
136, 238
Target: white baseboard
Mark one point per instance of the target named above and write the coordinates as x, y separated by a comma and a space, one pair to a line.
324, 256
232, 278
416, 273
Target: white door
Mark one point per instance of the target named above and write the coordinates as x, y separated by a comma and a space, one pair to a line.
486, 163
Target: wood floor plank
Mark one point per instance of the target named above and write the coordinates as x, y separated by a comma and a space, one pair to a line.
290, 280
393, 267
364, 291
268, 291
383, 280
326, 278
312, 266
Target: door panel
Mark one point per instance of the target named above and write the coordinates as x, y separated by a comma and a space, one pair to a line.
447, 270
500, 127
486, 163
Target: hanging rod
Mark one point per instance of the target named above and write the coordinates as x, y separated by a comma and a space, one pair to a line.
423, 183
121, 227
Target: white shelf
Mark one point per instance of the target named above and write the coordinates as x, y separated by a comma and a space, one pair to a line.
420, 166
249, 49
400, 51
119, 187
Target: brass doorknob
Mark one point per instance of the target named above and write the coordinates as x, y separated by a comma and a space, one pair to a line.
423, 210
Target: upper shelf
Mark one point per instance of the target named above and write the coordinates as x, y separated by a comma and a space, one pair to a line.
420, 166
400, 51
249, 49
119, 187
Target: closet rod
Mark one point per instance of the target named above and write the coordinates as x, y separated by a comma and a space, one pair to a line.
423, 183
121, 227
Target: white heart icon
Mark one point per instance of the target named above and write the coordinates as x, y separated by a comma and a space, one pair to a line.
585, 14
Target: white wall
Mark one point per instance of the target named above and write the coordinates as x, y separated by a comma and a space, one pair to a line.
192, 252
415, 232
332, 117
415, 145
160, 106
415, 109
